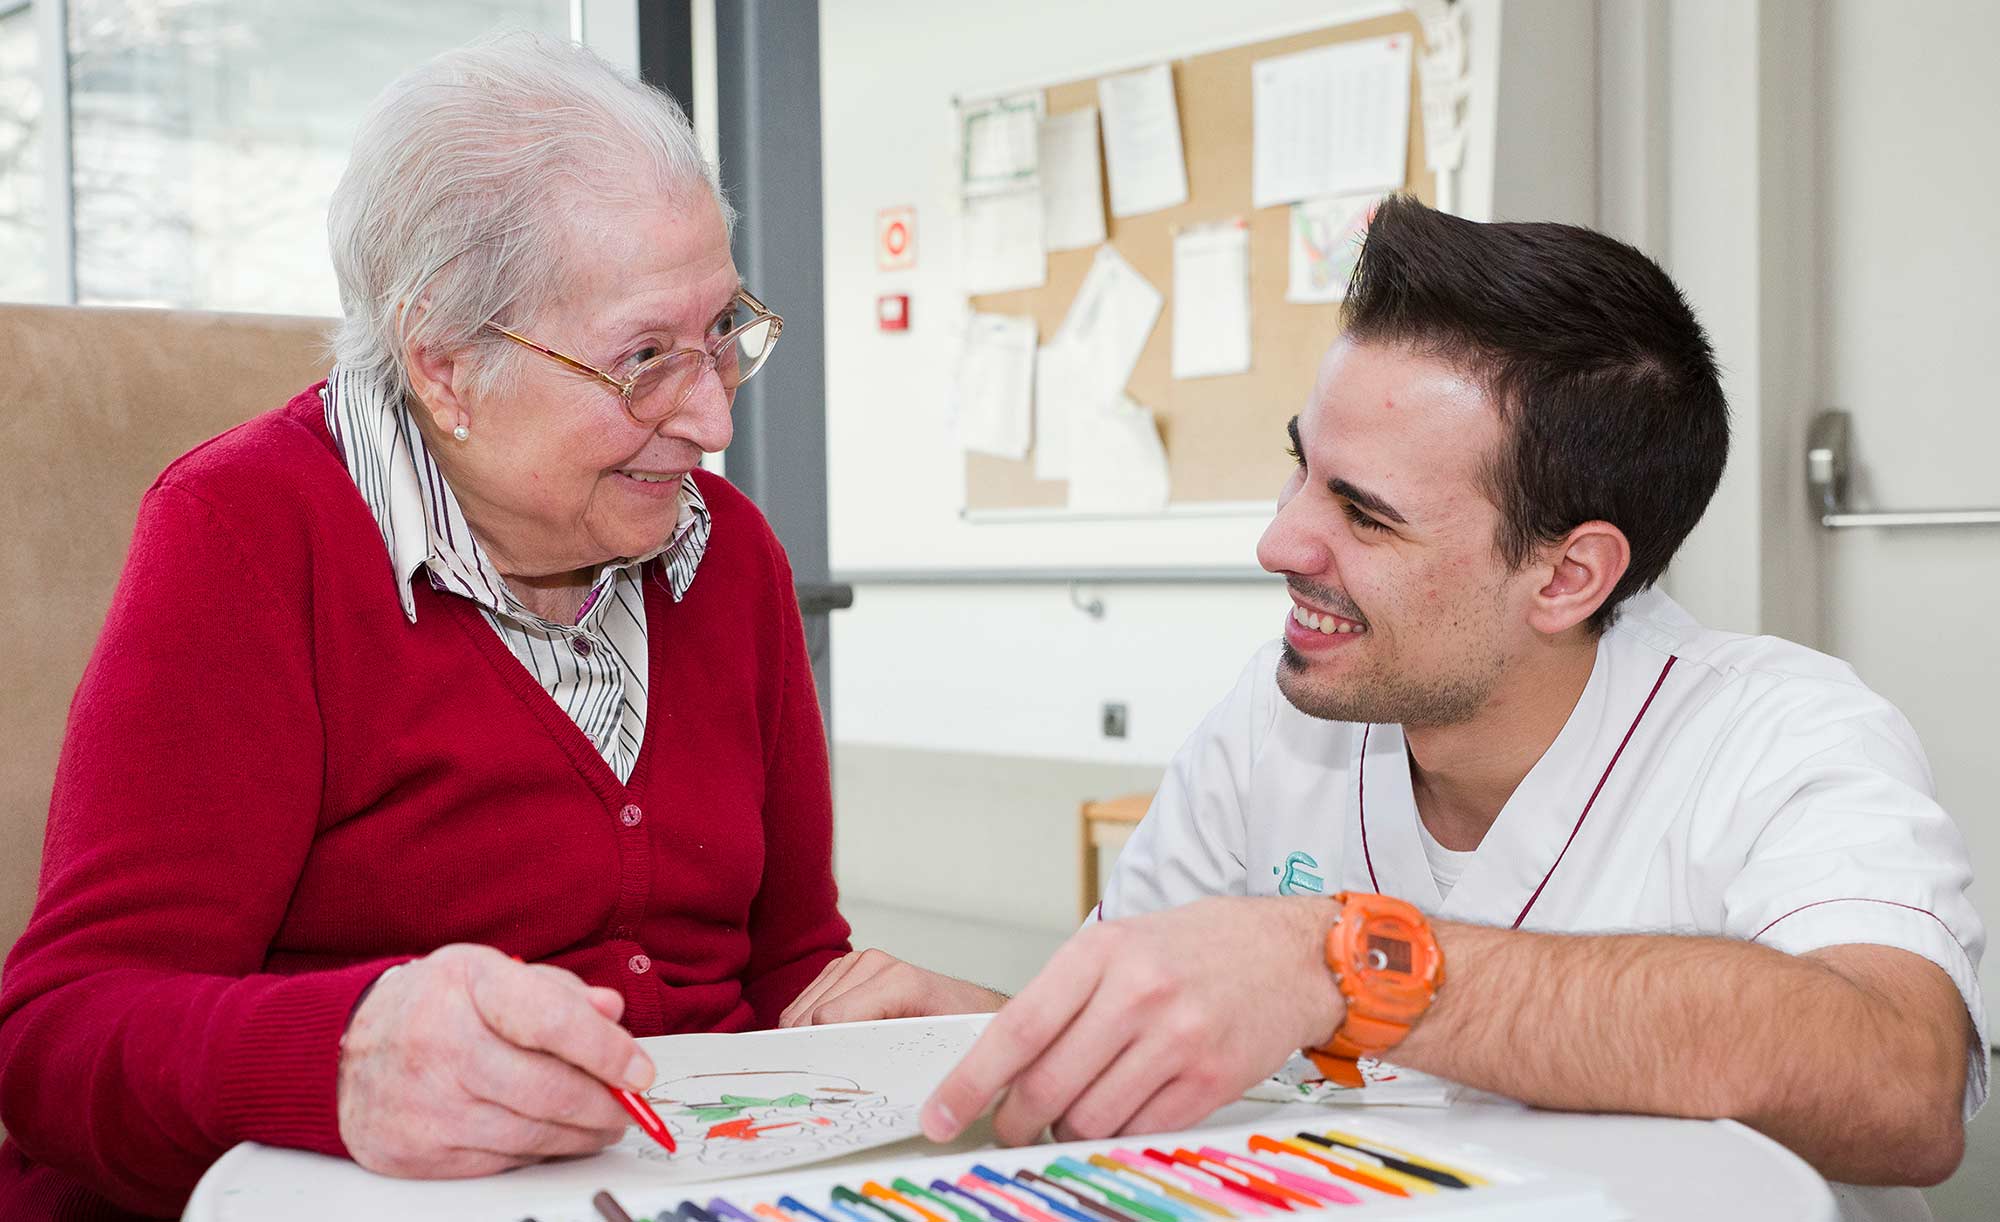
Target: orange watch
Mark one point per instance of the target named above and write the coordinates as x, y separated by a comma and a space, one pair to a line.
1388, 967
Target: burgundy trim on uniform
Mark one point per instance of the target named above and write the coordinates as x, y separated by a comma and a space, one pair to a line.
1361, 804
1862, 899
1632, 729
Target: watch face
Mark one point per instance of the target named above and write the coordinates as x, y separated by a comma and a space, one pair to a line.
1387, 954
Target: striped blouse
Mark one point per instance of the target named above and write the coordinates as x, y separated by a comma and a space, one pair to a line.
594, 669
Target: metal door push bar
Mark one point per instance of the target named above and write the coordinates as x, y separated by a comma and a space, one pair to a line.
1829, 451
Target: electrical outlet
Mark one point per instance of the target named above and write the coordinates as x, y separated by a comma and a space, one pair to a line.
1114, 719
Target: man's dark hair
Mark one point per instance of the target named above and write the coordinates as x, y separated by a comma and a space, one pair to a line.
1603, 378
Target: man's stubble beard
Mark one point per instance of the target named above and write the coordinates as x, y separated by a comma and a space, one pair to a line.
1396, 700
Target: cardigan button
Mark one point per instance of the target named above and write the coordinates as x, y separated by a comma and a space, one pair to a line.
581, 645
631, 815
639, 964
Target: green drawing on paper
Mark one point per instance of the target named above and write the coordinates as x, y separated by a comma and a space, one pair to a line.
732, 1106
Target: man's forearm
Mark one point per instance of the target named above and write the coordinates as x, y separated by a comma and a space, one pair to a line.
1857, 1069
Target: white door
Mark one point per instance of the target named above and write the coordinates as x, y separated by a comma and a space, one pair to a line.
1910, 209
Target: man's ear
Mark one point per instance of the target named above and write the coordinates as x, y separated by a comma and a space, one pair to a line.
1582, 568
438, 381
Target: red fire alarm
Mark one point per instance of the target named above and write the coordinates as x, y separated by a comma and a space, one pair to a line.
896, 239
892, 311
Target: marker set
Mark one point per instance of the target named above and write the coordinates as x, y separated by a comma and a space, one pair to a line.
1270, 1173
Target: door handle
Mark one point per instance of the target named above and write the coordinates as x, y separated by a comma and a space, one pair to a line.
1829, 457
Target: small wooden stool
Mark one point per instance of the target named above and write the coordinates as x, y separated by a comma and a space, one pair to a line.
1107, 824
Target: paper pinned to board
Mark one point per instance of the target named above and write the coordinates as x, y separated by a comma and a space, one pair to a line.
994, 387
1000, 244
1326, 237
1212, 300
998, 146
1072, 181
1063, 391
1116, 461
1142, 141
1334, 120
1442, 68
1108, 323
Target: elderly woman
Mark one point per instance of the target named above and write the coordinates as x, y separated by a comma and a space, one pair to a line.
449, 727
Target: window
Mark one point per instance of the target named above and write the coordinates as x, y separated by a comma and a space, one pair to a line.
206, 137
24, 259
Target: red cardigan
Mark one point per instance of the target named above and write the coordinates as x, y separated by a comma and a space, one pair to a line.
273, 786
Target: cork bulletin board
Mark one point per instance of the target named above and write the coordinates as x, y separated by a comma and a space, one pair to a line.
1224, 436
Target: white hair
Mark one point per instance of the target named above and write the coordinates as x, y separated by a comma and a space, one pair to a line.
465, 180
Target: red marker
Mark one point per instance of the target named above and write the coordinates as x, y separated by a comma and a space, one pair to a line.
638, 1109
647, 1118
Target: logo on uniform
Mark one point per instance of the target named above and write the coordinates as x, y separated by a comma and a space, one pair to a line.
1297, 877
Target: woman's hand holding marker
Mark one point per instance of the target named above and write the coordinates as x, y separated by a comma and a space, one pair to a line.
467, 1062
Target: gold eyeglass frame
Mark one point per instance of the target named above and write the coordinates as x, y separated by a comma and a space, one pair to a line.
759, 314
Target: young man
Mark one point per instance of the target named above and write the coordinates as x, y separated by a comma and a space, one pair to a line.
1666, 870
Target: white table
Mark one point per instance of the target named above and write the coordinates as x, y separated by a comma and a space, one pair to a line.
1658, 1170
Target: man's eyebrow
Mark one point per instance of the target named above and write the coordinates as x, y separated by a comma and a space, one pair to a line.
1341, 488
1366, 500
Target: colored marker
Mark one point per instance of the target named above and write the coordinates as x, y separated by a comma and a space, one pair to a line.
1072, 1172
800, 1207
1312, 1185
1020, 1202
1116, 1175
844, 1195
1088, 1203
694, 1213
984, 1206
771, 1213
1443, 1179
1377, 1146
1367, 1177
915, 1191
883, 1192
1213, 1157
639, 1110
1193, 1185
849, 1214
1064, 1203
1206, 1187
1062, 1208
644, 1116
609, 1208
1264, 1191
1122, 1162
1191, 1167
1119, 1190
727, 1212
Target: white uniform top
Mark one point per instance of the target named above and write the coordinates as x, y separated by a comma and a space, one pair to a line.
1706, 783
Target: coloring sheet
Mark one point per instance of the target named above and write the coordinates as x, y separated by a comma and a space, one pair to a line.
753, 1103
766, 1100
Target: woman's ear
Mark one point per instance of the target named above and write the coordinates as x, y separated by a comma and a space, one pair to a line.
438, 382
1584, 568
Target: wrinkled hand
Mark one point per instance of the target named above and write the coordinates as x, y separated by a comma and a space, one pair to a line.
1150, 1023
870, 984
467, 1062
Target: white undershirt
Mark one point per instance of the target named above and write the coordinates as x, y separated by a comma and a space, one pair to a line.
1446, 864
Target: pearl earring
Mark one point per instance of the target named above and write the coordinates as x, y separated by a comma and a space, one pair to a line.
460, 433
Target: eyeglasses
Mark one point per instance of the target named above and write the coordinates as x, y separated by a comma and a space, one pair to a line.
656, 384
